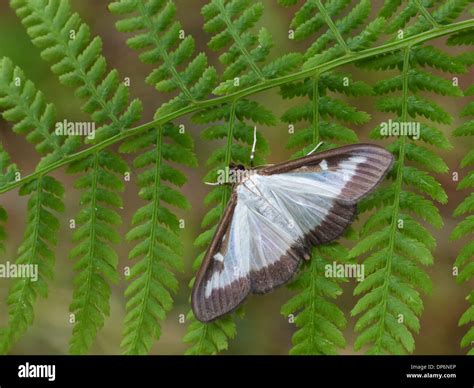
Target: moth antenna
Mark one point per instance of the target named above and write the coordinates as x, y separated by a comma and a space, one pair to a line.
252, 153
315, 148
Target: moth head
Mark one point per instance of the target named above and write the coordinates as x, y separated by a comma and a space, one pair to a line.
236, 167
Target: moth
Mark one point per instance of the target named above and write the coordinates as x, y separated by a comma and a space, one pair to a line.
275, 215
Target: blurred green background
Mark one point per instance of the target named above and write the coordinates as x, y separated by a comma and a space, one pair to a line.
264, 330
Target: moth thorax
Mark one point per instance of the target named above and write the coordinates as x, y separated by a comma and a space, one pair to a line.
239, 174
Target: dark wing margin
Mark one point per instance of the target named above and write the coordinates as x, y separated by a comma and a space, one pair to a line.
221, 300
367, 176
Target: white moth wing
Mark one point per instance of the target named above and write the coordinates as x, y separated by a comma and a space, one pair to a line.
276, 218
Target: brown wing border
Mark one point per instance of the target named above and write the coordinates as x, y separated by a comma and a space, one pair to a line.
312, 159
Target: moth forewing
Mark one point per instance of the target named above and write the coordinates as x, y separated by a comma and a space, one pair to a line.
203, 307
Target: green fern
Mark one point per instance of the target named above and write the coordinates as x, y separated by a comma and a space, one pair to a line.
34, 117
338, 33
340, 39
319, 320
65, 41
397, 243
465, 228
7, 174
429, 14
160, 35
157, 229
25, 106
7, 169
231, 22
45, 198
323, 111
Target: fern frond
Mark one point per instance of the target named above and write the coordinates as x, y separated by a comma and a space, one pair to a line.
356, 17
394, 243
308, 20
156, 233
412, 9
96, 262
46, 199
25, 106
213, 337
323, 110
446, 12
319, 320
34, 118
231, 22
340, 38
418, 16
159, 34
156, 228
465, 228
7, 169
7, 174
423, 56
65, 40
3, 233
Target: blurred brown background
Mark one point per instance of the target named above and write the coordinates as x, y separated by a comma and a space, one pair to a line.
264, 330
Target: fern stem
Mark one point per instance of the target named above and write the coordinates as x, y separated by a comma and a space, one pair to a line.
426, 14
315, 121
314, 276
333, 27
238, 41
398, 44
396, 201
228, 150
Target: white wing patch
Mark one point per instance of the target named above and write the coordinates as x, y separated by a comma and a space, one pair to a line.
218, 256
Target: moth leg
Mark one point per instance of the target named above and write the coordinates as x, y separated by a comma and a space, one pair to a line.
252, 152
